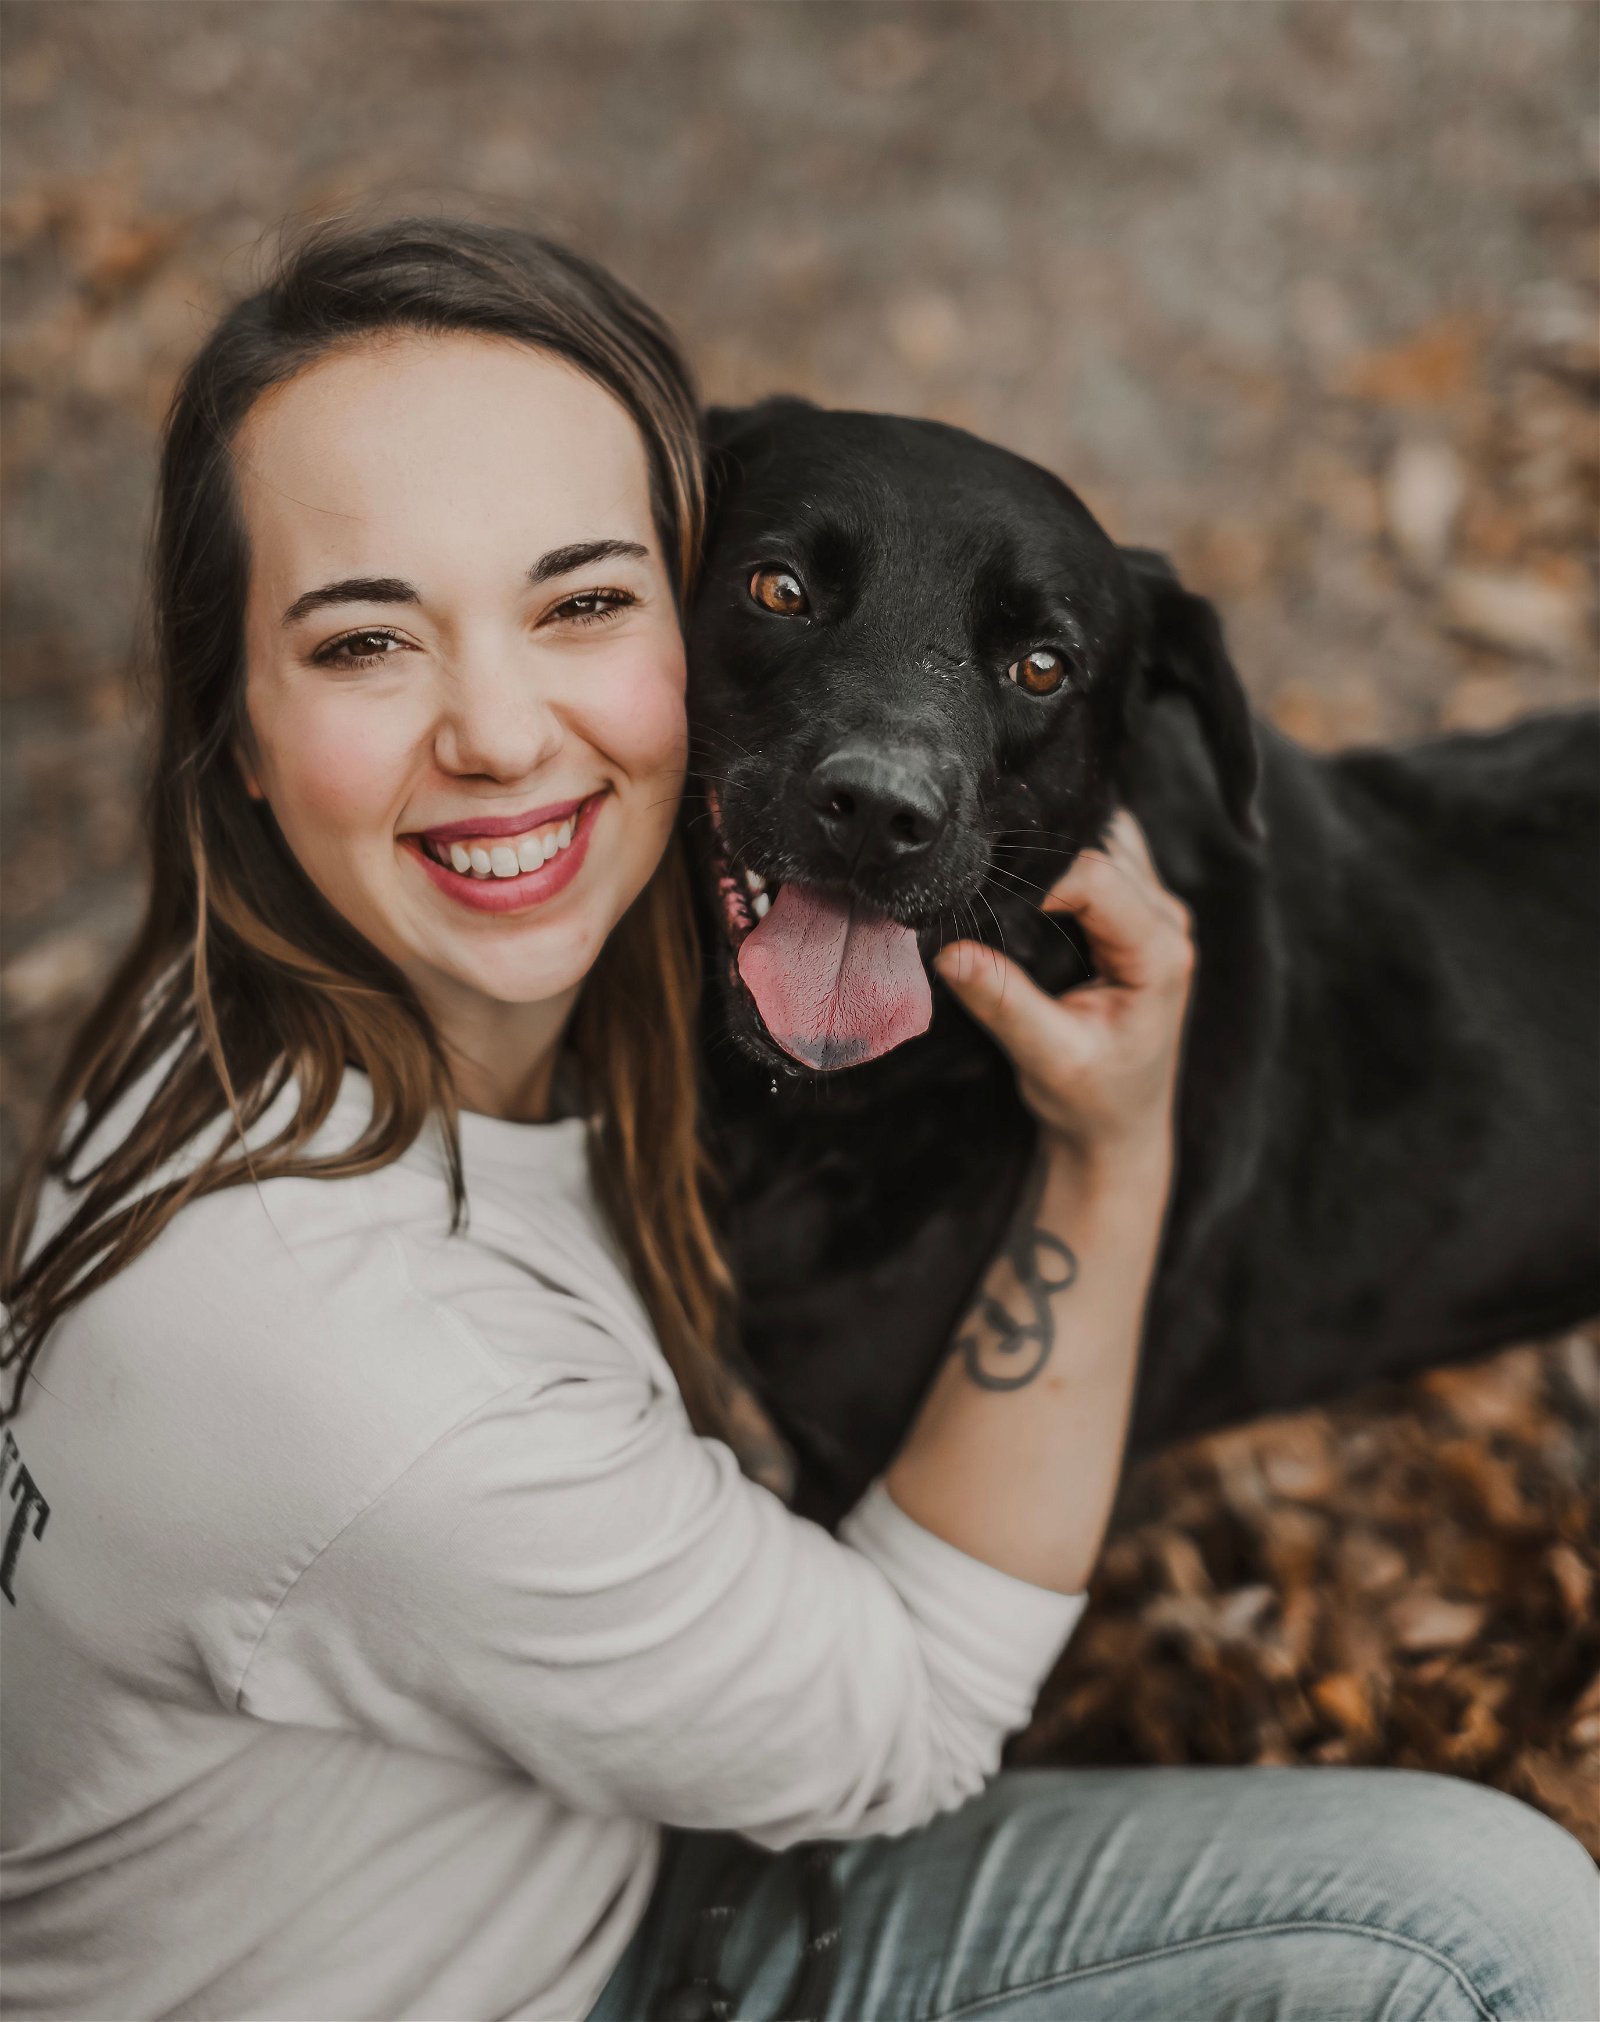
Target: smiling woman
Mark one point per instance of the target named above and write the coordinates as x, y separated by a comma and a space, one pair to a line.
521, 359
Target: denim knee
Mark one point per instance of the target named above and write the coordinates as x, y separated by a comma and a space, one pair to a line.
1497, 1887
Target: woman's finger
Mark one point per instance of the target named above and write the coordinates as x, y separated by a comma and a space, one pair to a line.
1127, 844
1004, 999
1126, 839
1128, 928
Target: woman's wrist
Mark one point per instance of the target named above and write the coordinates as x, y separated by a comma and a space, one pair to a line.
1131, 1165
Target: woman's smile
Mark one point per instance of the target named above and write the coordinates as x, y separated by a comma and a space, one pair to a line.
509, 863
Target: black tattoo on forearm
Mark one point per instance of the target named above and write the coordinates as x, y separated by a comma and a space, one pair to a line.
1001, 1350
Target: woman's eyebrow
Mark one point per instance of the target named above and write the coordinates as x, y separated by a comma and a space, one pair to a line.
354, 590
391, 590
562, 561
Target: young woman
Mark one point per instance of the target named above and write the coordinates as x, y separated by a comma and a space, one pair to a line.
380, 1596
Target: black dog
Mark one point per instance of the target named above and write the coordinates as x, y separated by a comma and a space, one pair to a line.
921, 678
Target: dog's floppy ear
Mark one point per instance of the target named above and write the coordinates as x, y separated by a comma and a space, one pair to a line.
730, 432
726, 426
1182, 649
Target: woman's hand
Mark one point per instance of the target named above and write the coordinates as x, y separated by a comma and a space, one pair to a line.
1098, 1066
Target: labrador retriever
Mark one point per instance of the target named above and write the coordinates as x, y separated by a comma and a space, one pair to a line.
922, 676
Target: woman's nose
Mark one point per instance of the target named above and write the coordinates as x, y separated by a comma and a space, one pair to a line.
498, 723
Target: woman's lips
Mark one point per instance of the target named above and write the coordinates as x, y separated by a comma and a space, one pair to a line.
531, 888
503, 824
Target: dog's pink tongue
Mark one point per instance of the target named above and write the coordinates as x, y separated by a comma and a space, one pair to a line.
834, 983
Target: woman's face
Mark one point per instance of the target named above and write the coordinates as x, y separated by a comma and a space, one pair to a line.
465, 674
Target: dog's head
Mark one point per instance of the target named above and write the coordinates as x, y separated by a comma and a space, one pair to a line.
915, 663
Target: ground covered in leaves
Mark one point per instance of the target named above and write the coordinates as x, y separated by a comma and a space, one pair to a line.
1408, 1580
1303, 294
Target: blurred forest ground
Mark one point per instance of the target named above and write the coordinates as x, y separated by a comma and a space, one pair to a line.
1304, 294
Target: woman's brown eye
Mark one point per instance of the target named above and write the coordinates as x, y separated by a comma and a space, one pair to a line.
1040, 674
776, 590
356, 647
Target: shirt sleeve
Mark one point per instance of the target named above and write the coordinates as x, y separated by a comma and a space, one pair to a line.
571, 1581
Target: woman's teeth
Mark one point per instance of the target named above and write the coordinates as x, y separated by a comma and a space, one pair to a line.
510, 858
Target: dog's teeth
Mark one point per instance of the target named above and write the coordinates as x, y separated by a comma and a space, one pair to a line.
759, 905
756, 882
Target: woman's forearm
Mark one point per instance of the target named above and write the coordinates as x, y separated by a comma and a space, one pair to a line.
1015, 1454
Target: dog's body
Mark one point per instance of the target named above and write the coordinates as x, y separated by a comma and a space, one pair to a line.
1389, 1133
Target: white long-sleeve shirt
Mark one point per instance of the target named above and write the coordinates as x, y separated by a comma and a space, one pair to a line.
369, 1603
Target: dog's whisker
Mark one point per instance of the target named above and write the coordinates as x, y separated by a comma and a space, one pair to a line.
999, 930
725, 743
1015, 879
1039, 836
1047, 834
1057, 923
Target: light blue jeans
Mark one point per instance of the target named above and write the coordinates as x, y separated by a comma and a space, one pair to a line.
1168, 1895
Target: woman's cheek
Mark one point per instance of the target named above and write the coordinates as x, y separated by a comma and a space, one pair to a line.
641, 722
346, 774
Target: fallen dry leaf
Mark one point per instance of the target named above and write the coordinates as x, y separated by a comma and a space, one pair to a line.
1519, 613
1423, 491
1431, 368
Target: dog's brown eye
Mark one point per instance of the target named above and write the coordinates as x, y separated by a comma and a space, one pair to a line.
776, 590
1040, 674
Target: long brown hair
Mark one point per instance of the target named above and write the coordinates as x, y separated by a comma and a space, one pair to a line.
241, 970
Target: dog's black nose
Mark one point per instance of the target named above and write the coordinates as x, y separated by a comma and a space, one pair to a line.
877, 808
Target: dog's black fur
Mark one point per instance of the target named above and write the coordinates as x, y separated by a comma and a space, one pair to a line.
1389, 1134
